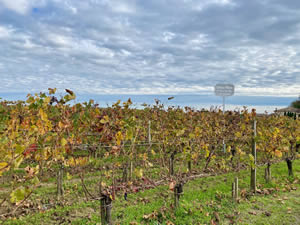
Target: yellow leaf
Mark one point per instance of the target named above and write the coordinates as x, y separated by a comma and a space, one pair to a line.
238, 134
70, 162
207, 153
60, 125
139, 173
145, 157
69, 177
2, 165
43, 115
63, 142
47, 100
153, 152
119, 138
52, 91
104, 120
278, 153
228, 148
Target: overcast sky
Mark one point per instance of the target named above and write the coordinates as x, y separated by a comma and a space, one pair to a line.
150, 46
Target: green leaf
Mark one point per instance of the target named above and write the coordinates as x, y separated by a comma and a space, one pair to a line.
19, 194
18, 161
19, 149
35, 181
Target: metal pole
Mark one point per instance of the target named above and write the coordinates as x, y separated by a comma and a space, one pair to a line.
223, 104
224, 145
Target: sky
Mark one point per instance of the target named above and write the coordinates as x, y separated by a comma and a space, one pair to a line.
150, 46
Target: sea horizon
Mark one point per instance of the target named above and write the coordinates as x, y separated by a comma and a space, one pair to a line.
262, 104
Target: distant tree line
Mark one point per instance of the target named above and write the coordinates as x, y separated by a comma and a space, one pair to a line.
296, 104
292, 115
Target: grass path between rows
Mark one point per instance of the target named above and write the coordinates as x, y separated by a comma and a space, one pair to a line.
205, 201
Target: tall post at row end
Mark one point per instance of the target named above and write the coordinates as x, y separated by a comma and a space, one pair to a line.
224, 90
253, 167
149, 132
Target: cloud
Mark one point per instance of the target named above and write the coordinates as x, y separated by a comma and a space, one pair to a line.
152, 47
21, 6
5, 32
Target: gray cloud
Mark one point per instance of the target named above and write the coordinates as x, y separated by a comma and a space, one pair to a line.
131, 46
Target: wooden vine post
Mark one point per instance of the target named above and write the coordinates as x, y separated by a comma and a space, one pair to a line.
253, 166
105, 208
178, 191
189, 163
149, 132
268, 173
171, 164
125, 172
235, 189
290, 166
60, 176
190, 166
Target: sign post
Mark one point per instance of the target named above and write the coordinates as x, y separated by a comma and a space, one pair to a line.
224, 90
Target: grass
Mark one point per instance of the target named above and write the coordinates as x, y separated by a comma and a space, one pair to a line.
205, 201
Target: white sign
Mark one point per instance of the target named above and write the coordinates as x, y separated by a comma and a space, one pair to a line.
224, 90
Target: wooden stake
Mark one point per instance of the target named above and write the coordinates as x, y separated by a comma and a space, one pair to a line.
253, 168
149, 132
171, 164
236, 191
106, 205
60, 175
178, 191
233, 190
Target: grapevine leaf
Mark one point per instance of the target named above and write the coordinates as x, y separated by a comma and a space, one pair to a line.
278, 153
63, 142
19, 194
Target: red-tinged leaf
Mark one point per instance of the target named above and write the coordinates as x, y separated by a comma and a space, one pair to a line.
172, 185
31, 149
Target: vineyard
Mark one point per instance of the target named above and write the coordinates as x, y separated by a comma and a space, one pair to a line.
82, 153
